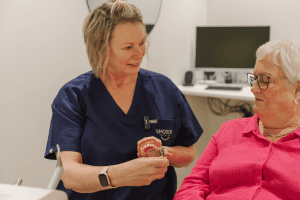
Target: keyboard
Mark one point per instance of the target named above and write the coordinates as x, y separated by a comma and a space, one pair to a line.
232, 88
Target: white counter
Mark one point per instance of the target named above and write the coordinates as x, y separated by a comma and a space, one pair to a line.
199, 90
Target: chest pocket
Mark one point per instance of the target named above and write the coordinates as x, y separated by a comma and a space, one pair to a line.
165, 130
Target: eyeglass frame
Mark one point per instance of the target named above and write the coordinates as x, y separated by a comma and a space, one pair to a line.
256, 77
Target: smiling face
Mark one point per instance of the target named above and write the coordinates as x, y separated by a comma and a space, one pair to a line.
127, 49
275, 104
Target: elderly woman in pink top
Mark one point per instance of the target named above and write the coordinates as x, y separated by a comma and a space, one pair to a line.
256, 157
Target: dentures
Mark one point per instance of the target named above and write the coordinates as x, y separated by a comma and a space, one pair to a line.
146, 144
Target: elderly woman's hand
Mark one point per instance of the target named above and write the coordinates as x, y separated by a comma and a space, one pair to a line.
138, 172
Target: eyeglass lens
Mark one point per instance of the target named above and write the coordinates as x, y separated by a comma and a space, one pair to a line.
262, 81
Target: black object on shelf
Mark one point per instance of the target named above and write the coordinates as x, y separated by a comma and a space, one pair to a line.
188, 78
228, 77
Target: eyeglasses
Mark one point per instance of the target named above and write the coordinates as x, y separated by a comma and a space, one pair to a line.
262, 80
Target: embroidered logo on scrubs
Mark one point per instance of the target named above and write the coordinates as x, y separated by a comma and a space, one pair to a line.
164, 133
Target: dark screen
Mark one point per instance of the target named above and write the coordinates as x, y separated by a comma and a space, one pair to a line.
229, 47
103, 180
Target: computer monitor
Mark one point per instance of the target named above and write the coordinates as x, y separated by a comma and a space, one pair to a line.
228, 48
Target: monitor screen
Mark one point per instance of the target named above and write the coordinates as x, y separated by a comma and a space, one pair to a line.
229, 47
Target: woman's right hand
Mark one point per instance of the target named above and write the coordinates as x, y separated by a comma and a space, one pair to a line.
138, 172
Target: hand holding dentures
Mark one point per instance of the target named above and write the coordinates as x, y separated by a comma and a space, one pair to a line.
150, 147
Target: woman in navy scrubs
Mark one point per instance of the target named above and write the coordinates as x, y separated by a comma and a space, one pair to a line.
98, 117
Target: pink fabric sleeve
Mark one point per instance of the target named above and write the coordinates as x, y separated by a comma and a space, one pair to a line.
196, 186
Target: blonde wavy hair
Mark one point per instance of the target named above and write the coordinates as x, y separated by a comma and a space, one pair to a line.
284, 53
99, 25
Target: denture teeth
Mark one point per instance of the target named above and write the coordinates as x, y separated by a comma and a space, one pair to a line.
144, 147
147, 145
147, 142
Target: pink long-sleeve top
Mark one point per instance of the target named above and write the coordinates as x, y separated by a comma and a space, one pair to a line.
240, 163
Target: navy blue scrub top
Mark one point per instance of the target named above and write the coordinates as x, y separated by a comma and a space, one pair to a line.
87, 120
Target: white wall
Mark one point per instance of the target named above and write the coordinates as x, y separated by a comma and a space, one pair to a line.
282, 15
149, 8
41, 49
171, 40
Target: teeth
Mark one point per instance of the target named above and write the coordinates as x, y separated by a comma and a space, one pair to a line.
147, 145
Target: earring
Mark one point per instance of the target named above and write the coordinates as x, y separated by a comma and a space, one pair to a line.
296, 101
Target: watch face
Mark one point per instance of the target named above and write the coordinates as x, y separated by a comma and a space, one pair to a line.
103, 180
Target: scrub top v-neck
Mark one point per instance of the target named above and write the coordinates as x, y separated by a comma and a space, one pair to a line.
114, 105
86, 119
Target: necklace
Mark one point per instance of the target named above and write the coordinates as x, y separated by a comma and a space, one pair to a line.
275, 136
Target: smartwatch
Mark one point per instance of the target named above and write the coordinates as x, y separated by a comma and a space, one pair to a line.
104, 179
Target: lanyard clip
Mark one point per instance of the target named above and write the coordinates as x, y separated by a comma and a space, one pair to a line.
146, 122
